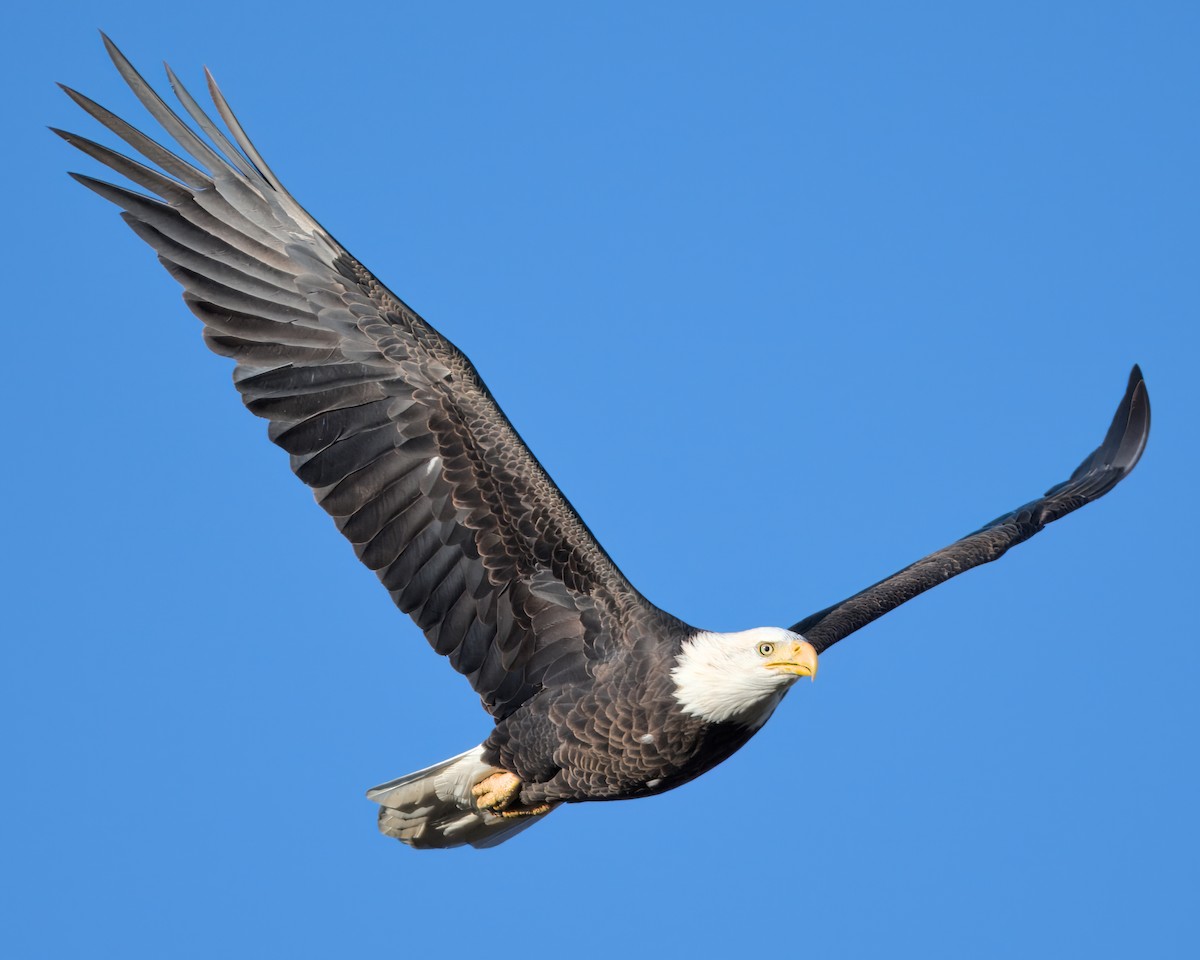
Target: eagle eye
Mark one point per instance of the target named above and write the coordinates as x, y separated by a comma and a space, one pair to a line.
766, 649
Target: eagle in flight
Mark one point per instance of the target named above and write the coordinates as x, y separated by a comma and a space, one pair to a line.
596, 693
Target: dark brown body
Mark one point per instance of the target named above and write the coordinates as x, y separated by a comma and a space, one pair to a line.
618, 736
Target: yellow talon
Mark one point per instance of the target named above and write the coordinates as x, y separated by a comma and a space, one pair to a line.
496, 792
537, 811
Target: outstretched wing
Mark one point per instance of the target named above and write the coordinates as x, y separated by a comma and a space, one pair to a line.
383, 417
1092, 479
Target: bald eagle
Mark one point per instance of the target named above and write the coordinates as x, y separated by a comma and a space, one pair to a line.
596, 693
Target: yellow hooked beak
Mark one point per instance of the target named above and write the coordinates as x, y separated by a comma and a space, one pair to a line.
798, 657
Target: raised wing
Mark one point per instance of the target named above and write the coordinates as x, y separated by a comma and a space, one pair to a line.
383, 417
1092, 479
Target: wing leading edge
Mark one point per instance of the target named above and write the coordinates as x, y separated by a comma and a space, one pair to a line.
1103, 469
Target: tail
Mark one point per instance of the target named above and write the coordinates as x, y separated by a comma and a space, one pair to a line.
434, 808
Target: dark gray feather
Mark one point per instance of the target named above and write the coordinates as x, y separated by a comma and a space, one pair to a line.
1103, 469
382, 416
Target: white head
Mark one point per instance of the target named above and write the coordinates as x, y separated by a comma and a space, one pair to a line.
740, 676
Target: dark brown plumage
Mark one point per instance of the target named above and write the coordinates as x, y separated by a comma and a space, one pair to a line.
596, 693
383, 417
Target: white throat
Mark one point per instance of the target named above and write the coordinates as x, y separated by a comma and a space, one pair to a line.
719, 677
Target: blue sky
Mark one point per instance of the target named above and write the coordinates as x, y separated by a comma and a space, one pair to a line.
784, 298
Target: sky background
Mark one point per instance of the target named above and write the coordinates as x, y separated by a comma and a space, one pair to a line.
784, 298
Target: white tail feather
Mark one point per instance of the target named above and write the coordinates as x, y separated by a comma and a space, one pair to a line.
434, 808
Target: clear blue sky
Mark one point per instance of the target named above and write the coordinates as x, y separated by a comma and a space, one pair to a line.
783, 298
